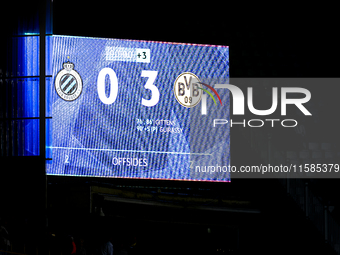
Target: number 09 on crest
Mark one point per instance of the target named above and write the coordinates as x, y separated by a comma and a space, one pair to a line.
186, 89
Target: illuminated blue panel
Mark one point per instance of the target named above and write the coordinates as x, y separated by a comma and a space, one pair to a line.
31, 94
48, 103
118, 109
48, 138
25, 91
31, 55
24, 102
24, 133
23, 85
48, 54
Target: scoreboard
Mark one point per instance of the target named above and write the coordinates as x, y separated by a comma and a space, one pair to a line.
138, 109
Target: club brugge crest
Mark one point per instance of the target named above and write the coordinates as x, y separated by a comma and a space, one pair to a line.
68, 83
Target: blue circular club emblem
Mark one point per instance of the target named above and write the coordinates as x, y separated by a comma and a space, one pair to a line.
68, 83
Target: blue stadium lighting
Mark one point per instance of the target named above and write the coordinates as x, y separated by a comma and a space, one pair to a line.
31, 33
28, 93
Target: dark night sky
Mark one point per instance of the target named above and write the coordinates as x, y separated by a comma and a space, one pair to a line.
281, 41
265, 41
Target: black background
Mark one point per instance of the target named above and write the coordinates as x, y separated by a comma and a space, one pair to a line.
265, 41
281, 40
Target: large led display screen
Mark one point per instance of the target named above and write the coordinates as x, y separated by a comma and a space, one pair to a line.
138, 109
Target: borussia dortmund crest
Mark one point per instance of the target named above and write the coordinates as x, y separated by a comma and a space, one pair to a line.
68, 83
